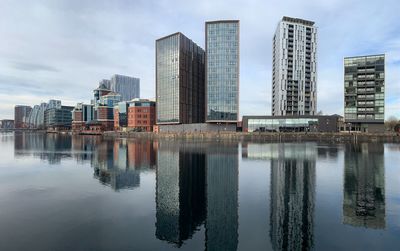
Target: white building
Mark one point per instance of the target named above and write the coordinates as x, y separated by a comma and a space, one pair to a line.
128, 87
294, 73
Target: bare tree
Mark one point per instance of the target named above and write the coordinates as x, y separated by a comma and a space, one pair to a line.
391, 123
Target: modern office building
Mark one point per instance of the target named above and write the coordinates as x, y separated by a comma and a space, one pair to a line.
127, 87
180, 85
364, 93
303, 123
58, 117
222, 71
99, 92
294, 68
106, 83
35, 119
21, 113
81, 114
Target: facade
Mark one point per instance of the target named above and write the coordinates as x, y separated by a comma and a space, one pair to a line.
35, 119
7, 124
180, 85
99, 92
294, 68
81, 114
127, 87
58, 118
291, 123
364, 92
21, 113
105, 116
222, 71
142, 115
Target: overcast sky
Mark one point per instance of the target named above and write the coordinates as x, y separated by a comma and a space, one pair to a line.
61, 49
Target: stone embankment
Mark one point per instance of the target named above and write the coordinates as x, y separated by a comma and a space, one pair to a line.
264, 137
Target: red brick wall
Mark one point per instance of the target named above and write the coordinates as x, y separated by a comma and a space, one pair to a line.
141, 117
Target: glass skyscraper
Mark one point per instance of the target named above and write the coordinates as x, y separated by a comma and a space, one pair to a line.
364, 92
180, 85
222, 70
128, 87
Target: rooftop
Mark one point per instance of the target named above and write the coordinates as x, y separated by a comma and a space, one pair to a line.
298, 20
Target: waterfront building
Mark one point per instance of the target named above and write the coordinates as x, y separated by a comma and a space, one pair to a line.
294, 68
364, 186
35, 119
364, 93
81, 114
180, 85
21, 113
99, 92
127, 87
105, 116
6, 124
57, 118
303, 123
142, 115
222, 71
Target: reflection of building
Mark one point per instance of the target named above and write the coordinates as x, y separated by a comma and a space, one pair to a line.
364, 186
180, 85
222, 197
364, 92
180, 192
292, 197
294, 72
111, 166
21, 113
222, 70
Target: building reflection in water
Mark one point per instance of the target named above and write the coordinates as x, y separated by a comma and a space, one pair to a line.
364, 186
292, 191
118, 163
197, 184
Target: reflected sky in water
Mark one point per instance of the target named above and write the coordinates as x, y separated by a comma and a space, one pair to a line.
61, 192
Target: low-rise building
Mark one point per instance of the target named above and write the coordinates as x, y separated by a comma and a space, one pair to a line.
81, 114
58, 118
301, 123
7, 124
135, 115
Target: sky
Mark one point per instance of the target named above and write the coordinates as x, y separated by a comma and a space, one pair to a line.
61, 49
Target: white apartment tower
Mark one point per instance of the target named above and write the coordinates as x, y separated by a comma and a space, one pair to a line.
294, 72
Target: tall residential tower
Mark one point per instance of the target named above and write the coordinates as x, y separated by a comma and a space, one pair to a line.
294, 72
179, 80
222, 71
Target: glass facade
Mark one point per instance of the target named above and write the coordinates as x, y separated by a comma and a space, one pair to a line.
222, 78
364, 89
179, 80
281, 124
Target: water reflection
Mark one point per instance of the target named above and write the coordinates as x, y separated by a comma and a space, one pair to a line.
364, 186
198, 184
292, 196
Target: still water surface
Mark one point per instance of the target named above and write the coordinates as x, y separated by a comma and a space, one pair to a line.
60, 192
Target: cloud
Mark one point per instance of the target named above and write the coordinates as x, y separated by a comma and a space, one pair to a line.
63, 48
24, 66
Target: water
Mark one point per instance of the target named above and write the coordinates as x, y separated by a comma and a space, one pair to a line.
59, 192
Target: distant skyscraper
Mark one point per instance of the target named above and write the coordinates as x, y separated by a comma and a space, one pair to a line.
294, 68
222, 71
106, 83
21, 113
364, 186
364, 92
180, 85
128, 87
